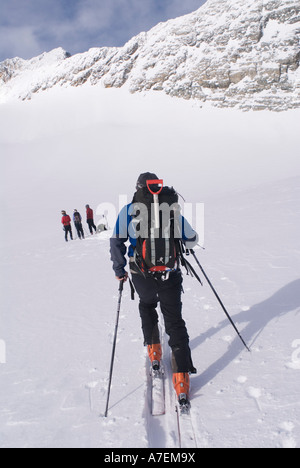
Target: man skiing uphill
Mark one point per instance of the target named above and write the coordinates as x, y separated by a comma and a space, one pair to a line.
154, 226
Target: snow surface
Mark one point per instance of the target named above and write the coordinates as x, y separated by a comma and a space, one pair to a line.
70, 147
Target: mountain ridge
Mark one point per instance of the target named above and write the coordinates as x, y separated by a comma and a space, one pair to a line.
226, 53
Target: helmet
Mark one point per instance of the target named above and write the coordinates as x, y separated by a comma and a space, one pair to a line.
142, 180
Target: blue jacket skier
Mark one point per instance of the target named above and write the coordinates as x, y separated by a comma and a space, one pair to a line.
154, 287
78, 224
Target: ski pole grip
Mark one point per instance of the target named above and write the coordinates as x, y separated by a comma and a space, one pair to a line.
121, 287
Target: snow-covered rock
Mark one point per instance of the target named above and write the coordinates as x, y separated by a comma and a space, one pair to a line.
242, 53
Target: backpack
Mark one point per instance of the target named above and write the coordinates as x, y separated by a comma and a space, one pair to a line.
156, 251
77, 218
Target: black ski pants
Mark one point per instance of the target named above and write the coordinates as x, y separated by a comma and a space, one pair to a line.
91, 225
68, 229
168, 293
79, 230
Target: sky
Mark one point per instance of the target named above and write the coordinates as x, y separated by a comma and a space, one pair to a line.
30, 27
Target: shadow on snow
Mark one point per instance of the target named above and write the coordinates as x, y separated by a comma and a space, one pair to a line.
258, 317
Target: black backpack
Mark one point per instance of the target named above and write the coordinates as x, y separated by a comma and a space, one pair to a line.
77, 217
156, 251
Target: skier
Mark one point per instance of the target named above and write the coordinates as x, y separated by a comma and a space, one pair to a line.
153, 287
66, 221
78, 224
90, 219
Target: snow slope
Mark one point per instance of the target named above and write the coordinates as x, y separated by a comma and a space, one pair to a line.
70, 147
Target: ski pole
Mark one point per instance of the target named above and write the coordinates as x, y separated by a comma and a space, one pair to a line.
219, 300
114, 344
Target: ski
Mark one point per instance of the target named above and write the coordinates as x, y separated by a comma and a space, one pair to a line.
158, 407
186, 432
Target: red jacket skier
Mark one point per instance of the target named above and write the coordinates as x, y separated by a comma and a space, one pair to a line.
90, 219
66, 221
89, 213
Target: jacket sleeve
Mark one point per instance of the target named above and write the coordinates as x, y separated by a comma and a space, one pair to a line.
117, 243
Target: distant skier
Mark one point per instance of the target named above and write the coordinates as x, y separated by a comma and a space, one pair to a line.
160, 283
66, 221
90, 219
78, 224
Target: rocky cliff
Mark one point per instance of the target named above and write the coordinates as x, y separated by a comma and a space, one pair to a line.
232, 53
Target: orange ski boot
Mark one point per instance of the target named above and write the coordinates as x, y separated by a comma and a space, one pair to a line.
155, 353
181, 382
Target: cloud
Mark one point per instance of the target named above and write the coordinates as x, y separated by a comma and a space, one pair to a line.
30, 27
175, 8
24, 26
27, 44
115, 22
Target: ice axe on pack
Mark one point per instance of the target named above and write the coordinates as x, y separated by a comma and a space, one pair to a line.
157, 185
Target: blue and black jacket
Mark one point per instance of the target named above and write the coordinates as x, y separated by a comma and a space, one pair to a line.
124, 231
77, 217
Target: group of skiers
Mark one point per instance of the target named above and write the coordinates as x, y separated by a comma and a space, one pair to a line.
77, 219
